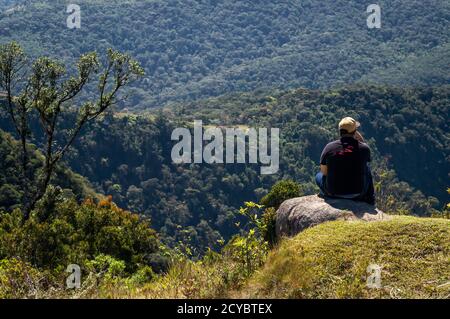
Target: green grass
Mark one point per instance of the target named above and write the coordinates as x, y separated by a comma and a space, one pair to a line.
331, 260
326, 261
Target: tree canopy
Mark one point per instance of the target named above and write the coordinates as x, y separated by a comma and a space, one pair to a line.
196, 49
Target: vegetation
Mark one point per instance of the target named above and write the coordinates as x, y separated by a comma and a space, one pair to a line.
326, 261
128, 156
393, 123
11, 192
204, 196
72, 168
104, 240
120, 256
280, 192
42, 90
214, 276
197, 49
331, 260
44, 228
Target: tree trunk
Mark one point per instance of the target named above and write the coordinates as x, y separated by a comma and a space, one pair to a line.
42, 187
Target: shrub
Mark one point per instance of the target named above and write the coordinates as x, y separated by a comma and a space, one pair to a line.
107, 266
70, 233
19, 279
280, 192
269, 220
249, 251
142, 276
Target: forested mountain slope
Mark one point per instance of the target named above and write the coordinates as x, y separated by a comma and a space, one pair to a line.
195, 49
5, 4
128, 156
139, 225
10, 175
409, 127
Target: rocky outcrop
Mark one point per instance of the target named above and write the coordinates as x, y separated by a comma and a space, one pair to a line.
297, 214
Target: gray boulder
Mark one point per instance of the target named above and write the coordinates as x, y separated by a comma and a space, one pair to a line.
297, 214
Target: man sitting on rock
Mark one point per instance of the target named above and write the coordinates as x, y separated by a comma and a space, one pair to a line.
344, 170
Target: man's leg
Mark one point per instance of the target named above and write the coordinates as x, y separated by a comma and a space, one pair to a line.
320, 181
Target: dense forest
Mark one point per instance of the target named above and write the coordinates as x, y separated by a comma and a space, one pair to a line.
196, 208
87, 117
196, 49
71, 184
6, 4
128, 157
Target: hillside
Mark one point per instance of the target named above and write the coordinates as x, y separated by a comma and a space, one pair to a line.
169, 149
407, 127
128, 156
327, 261
331, 260
196, 49
72, 184
5, 4
203, 199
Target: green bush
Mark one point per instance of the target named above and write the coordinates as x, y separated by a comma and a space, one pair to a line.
248, 251
142, 276
280, 192
69, 233
19, 279
269, 220
107, 266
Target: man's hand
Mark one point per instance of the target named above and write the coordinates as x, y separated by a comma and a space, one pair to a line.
324, 169
359, 137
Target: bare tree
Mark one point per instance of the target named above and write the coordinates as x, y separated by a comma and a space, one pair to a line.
48, 92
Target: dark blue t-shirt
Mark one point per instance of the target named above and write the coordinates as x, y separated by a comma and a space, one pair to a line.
346, 160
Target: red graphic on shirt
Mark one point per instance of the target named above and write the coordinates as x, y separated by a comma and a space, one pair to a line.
348, 149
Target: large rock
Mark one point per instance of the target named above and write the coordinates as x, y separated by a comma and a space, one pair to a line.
297, 214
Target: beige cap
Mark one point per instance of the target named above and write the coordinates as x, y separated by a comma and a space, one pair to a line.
349, 124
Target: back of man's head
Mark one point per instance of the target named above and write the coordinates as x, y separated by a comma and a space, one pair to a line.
348, 126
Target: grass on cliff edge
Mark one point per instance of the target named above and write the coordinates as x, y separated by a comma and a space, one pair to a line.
331, 260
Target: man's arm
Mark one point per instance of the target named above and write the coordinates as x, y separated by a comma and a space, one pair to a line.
324, 169
323, 161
